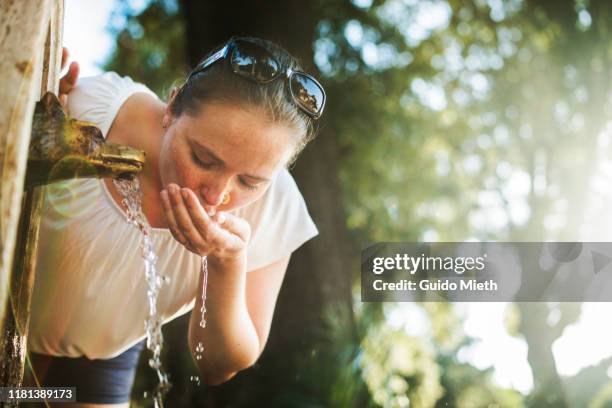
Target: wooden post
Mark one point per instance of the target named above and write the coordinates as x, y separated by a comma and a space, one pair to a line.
30, 45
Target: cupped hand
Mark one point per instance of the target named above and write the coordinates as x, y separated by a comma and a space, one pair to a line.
68, 81
223, 235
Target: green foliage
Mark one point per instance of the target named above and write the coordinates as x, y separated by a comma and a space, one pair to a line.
466, 131
399, 370
466, 386
603, 399
591, 386
494, 129
150, 45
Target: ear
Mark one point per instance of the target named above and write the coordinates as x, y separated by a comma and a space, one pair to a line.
166, 119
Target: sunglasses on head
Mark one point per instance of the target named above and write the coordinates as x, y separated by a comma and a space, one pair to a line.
252, 61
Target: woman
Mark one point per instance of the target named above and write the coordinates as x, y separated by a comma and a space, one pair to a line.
215, 183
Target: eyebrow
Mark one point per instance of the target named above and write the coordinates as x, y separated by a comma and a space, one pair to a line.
221, 162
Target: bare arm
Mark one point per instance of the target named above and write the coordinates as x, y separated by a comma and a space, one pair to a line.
229, 338
239, 308
233, 341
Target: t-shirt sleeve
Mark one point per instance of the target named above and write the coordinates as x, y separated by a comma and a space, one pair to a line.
98, 98
280, 222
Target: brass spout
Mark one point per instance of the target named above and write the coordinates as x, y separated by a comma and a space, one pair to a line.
63, 148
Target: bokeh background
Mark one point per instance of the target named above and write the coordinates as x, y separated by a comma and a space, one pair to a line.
447, 120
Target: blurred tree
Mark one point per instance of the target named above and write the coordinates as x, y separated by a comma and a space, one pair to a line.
603, 399
498, 98
589, 385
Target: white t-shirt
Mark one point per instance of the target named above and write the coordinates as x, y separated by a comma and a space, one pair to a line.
90, 293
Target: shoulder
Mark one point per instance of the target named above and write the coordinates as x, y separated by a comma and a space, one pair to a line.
136, 117
284, 188
98, 98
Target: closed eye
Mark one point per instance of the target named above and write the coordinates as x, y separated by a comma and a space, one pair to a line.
209, 166
201, 163
249, 186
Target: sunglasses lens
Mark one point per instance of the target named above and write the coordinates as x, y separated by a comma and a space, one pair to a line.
254, 62
307, 93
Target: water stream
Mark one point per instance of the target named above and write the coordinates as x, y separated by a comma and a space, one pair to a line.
132, 200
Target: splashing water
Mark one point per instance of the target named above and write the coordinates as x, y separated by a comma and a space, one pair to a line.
132, 199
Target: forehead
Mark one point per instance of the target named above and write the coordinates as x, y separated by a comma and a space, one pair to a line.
242, 136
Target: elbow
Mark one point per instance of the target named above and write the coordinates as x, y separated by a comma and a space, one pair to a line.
218, 377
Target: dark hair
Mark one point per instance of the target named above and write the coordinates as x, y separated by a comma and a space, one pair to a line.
218, 83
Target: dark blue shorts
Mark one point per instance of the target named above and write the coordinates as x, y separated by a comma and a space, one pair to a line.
102, 381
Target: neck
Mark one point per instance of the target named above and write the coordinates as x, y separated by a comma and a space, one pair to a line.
149, 139
150, 179
145, 133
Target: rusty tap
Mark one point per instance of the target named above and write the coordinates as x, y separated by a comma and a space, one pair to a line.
63, 148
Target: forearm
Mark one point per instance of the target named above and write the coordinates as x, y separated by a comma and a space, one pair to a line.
229, 338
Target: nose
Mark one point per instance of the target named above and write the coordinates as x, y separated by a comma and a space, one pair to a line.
213, 194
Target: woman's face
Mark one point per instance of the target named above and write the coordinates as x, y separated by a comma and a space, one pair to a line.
224, 149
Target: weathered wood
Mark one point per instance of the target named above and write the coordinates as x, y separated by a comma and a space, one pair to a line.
34, 51
23, 30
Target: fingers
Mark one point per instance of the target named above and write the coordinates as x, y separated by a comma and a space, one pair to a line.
183, 217
234, 231
200, 233
223, 230
235, 225
172, 225
213, 235
63, 100
65, 55
201, 221
69, 80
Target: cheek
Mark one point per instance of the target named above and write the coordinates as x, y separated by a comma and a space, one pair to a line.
174, 166
164, 167
243, 198
187, 174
